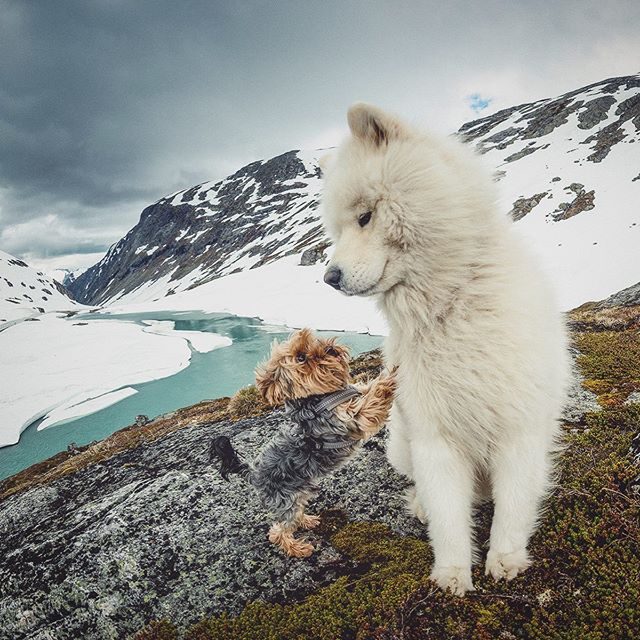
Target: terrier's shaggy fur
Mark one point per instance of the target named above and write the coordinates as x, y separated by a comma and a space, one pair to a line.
473, 326
332, 418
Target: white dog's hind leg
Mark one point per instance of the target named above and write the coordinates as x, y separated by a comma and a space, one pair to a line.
520, 475
444, 485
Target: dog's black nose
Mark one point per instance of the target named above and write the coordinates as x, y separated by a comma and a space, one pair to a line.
332, 276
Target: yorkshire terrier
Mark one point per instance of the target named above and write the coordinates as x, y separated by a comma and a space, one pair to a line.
331, 418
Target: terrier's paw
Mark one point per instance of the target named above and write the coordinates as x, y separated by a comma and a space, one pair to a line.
282, 536
309, 522
299, 549
413, 505
506, 565
454, 579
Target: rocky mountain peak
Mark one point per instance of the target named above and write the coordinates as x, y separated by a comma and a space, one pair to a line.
263, 212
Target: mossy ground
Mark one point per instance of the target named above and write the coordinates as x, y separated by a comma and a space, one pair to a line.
610, 362
583, 585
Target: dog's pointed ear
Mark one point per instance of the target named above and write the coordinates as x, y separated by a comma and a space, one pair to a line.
341, 350
370, 124
269, 376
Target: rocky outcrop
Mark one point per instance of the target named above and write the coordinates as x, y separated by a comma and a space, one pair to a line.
609, 136
523, 206
314, 255
625, 298
155, 532
583, 201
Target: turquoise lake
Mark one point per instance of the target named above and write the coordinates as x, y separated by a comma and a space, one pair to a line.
209, 375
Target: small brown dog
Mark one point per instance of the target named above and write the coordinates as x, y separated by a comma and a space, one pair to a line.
332, 417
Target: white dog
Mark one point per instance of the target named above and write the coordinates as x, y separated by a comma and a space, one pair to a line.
480, 345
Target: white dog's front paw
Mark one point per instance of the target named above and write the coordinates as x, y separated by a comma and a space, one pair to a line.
454, 579
506, 565
413, 505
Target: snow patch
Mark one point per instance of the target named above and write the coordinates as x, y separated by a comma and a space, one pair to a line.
71, 411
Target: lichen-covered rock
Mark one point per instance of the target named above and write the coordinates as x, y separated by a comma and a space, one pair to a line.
155, 532
580, 399
523, 206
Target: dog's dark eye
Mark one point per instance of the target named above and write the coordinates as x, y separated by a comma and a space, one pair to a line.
331, 351
301, 357
364, 219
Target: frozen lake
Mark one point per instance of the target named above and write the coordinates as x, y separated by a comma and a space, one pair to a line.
220, 372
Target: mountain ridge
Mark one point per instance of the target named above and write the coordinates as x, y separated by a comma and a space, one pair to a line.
213, 229
565, 169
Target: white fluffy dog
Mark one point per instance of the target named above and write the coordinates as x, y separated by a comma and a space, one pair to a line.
480, 345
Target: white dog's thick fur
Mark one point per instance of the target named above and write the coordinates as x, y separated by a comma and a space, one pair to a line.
480, 345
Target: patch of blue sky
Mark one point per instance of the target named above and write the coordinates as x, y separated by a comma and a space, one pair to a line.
478, 102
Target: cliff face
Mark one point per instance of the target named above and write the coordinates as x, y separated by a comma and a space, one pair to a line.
99, 542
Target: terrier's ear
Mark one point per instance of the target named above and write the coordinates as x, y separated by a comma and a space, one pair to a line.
340, 349
270, 377
343, 351
269, 383
370, 124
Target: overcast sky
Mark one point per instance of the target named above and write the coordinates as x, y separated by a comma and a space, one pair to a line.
107, 105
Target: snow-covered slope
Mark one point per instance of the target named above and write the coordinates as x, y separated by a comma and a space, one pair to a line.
279, 293
25, 292
568, 172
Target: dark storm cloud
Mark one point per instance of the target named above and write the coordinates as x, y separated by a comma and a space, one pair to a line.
107, 106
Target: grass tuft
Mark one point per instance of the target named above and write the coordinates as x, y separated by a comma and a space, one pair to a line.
247, 403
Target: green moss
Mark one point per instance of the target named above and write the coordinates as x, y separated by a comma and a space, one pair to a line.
610, 362
157, 630
594, 316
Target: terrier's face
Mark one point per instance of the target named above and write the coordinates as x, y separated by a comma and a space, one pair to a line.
304, 365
